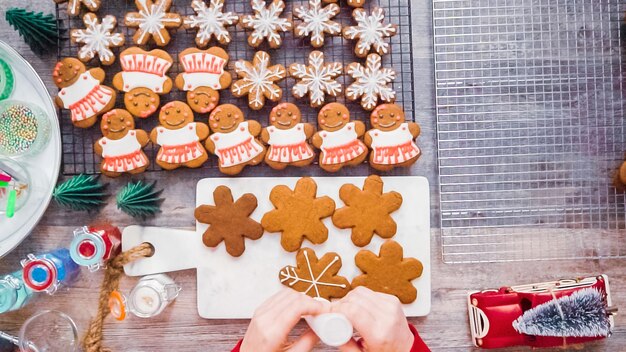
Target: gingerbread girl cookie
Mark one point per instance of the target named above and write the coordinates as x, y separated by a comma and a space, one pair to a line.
179, 137
210, 21
97, 38
152, 21
620, 178
287, 138
204, 74
82, 92
234, 139
266, 23
370, 32
121, 146
143, 78
391, 138
338, 138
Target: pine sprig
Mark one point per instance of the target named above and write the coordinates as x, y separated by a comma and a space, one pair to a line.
139, 199
39, 31
81, 193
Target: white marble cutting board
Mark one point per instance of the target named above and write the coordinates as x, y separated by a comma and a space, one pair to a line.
232, 288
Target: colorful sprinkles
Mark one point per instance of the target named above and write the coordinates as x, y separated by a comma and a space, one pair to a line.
18, 129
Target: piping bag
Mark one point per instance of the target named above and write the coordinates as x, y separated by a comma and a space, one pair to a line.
333, 329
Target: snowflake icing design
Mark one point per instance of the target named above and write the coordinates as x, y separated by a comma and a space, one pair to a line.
258, 80
73, 6
290, 277
97, 38
317, 21
210, 21
371, 82
266, 23
317, 79
153, 20
370, 31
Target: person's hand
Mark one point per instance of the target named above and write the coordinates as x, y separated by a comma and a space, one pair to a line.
275, 318
378, 318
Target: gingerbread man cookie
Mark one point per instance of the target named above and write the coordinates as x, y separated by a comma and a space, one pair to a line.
121, 147
229, 221
298, 214
367, 212
287, 138
317, 21
210, 21
82, 92
389, 272
370, 32
179, 137
234, 139
258, 80
143, 79
317, 278
317, 79
266, 23
204, 74
97, 38
391, 138
73, 6
153, 21
338, 138
370, 82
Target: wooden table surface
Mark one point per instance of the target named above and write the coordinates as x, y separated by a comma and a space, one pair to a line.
180, 328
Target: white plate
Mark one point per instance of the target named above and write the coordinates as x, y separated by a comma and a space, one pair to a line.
43, 167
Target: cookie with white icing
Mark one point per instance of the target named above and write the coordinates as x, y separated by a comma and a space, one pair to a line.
266, 23
153, 20
258, 80
97, 38
210, 21
74, 6
317, 79
370, 32
351, 3
317, 21
371, 82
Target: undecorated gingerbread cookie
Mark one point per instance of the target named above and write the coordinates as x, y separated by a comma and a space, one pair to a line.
204, 75
121, 146
287, 138
338, 138
258, 80
97, 39
179, 137
210, 21
266, 23
317, 278
391, 138
370, 82
389, 272
153, 21
370, 32
317, 21
368, 211
298, 214
229, 221
82, 92
143, 79
234, 139
317, 79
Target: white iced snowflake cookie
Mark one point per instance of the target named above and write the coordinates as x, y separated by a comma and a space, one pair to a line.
370, 82
73, 6
210, 21
152, 21
266, 23
370, 32
317, 79
97, 38
258, 80
317, 21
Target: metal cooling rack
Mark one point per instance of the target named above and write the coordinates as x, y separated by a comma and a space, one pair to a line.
530, 117
78, 156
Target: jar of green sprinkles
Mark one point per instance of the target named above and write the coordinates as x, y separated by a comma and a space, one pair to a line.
24, 128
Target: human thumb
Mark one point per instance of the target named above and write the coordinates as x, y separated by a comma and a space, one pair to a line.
305, 343
351, 346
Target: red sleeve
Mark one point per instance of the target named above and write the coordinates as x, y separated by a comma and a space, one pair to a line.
236, 349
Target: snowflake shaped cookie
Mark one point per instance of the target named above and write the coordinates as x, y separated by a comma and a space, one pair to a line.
97, 38
370, 32
370, 82
258, 80
210, 21
316, 79
152, 21
73, 6
266, 23
317, 21
351, 3
316, 277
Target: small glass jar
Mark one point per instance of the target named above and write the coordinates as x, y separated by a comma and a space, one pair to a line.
46, 272
15, 186
49, 331
14, 294
147, 299
92, 246
24, 128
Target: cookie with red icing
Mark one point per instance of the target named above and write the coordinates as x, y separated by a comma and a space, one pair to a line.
121, 146
180, 137
338, 138
143, 79
234, 139
391, 139
287, 138
82, 91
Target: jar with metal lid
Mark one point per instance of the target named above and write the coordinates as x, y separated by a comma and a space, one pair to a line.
147, 299
46, 272
92, 246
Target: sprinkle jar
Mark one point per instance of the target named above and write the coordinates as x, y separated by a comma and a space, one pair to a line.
24, 128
